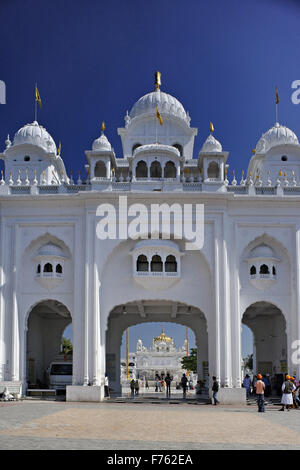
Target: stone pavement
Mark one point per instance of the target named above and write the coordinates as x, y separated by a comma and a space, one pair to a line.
126, 426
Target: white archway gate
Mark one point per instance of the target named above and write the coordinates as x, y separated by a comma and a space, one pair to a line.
148, 311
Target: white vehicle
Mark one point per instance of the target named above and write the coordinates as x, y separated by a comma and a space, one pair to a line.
60, 374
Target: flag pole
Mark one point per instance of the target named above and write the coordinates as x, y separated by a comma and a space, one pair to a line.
276, 104
35, 104
187, 346
127, 362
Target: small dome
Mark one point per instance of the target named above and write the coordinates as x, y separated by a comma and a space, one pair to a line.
35, 134
262, 251
51, 250
277, 135
211, 145
102, 143
166, 104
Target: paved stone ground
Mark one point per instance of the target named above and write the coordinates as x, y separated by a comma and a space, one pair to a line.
138, 426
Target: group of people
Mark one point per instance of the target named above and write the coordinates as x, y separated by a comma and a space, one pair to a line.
290, 393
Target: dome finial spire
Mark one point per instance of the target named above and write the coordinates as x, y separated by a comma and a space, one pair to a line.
157, 80
103, 126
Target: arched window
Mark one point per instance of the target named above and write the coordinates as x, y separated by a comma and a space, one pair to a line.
135, 146
252, 270
156, 264
179, 147
59, 268
142, 263
100, 170
213, 170
141, 170
38, 269
155, 170
48, 268
171, 264
264, 269
170, 170
274, 271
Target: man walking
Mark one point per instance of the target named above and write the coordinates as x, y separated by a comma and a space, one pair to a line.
168, 381
260, 394
287, 394
246, 385
215, 389
183, 384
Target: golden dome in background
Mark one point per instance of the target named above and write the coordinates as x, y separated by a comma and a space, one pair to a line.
163, 337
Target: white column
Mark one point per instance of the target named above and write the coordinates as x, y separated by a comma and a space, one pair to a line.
214, 323
108, 169
88, 261
297, 302
14, 318
2, 305
236, 329
178, 172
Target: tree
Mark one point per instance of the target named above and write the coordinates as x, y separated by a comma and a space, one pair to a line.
190, 362
248, 362
66, 346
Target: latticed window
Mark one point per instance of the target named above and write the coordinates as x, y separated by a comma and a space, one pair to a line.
156, 264
142, 263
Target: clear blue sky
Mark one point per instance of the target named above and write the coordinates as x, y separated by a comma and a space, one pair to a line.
92, 60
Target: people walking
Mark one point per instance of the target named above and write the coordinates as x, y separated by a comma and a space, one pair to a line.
183, 384
137, 387
168, 381
215, 389
287, 393
260, 394
132, 387
147, 383
106, 387
247, 385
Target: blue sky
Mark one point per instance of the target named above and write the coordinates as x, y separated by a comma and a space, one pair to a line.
92, 60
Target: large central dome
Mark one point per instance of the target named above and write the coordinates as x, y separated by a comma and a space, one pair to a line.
166, 104
277, 135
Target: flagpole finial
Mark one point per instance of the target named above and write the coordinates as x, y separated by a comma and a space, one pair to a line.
211, 127
157, 80
103, 126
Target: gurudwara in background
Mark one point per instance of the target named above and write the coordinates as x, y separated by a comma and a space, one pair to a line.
161, 358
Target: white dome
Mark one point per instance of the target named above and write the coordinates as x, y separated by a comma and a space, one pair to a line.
166, 104
262, 251
277, 135
35, 134
51, 250
211, 145
101, 143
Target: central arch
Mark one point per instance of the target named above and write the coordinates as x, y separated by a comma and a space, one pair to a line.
145, 311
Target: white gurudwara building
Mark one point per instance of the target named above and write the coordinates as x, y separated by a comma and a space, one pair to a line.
161, 358
56, 270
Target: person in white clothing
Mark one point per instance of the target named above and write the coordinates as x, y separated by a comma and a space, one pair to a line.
7, 396
287, 394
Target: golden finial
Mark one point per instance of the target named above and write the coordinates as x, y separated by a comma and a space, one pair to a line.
79, 172
280, 173
253, 151
103, 126
211, 127
233, 172
226, 171
284, 173
186, 170
243, 172
157, 80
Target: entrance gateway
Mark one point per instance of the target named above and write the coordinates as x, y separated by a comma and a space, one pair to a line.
56, 271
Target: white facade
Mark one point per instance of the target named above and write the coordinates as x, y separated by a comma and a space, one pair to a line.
55, 270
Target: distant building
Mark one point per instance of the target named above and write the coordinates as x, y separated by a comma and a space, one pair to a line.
162, 357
